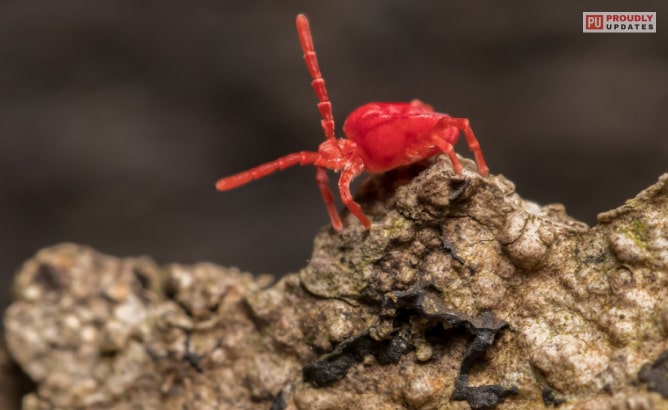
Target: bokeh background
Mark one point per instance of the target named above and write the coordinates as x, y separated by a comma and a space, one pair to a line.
116, 118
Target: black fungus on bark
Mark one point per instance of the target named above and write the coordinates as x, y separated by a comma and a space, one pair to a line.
279, 402
655, 375
425, 303
549, 398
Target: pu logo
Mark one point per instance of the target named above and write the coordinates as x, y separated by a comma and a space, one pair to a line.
594, 21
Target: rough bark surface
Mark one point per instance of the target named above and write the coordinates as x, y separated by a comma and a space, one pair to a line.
462, 295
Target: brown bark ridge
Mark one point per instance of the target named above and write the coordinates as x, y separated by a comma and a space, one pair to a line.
461, 295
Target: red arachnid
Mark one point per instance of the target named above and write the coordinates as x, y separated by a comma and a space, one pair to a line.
380, 136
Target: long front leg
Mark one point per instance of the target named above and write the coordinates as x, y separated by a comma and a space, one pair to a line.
298, 158
328, 197
346, 178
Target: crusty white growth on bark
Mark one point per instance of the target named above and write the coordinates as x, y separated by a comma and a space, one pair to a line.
461, 295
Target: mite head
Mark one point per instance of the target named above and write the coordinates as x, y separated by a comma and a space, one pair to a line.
334, 154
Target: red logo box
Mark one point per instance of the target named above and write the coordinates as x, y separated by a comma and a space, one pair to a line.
594, 21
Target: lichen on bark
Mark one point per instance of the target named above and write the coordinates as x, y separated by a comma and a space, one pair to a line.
461, 295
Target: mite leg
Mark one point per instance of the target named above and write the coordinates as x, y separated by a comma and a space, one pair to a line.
318, 83
347, 176
462, 124
242, 178
418, 103
447, 148
328, 197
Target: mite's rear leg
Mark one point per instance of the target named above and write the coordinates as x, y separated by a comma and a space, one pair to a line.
347, 176
418, 103
447, 148
462, 124
328, 197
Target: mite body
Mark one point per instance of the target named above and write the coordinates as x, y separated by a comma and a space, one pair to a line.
379, 137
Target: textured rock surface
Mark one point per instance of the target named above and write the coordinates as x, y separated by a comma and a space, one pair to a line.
462, 295
14, 384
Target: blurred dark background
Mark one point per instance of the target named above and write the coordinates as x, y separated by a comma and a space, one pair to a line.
116, 118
